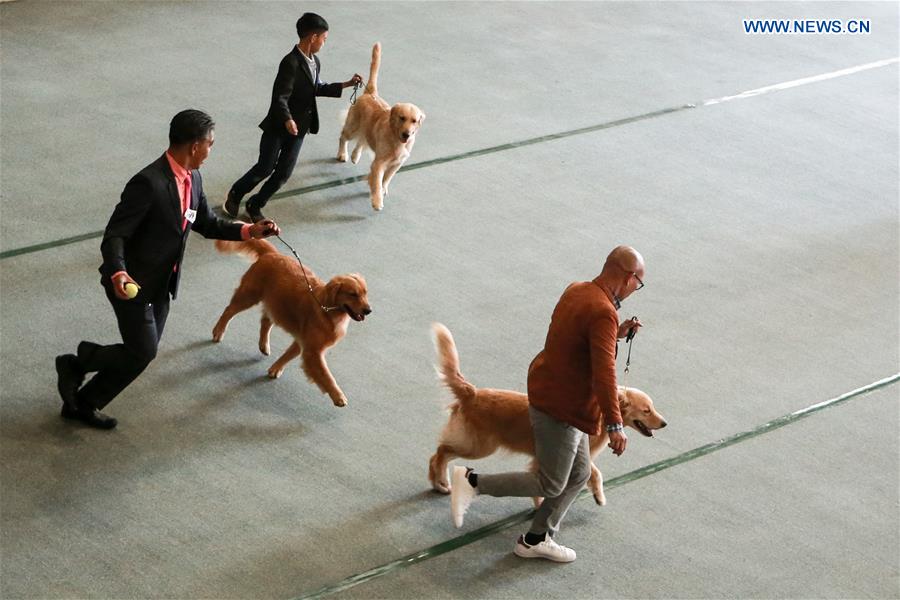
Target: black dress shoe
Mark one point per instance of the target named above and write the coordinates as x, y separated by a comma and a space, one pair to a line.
232, 204
254, 213
69, 378
89, 416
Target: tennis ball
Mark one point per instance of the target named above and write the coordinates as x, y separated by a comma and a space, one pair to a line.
131, 290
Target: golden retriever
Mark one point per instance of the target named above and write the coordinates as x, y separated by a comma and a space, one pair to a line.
316, 318
484, 420
390, 131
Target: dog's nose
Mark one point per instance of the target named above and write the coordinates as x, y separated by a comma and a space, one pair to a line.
405, 136
662, 424
368, 311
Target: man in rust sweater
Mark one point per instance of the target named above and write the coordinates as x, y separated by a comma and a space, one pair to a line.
572, 394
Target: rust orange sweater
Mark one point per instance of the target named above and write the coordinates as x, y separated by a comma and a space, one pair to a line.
573, 379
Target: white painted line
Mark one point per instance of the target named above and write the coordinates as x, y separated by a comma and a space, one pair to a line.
798, 82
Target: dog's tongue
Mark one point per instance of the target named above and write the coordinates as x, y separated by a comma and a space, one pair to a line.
644, 429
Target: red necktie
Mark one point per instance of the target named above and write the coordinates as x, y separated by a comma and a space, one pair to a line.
186, 201
185, 204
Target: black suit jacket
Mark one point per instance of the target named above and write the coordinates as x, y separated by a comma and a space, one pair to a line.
294, 95
144, 235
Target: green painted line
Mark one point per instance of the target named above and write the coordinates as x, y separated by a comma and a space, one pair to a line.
493, 149
47, 245
521, 517
419, 165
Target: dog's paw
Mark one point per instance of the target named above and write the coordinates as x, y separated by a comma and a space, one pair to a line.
354, 158
274, 372
441, 486
340, 401
377, 204
264, 348
600, 499
342, 157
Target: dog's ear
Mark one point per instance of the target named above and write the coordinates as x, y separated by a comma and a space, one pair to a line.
421, 116
332, 289
624, 402
396, 118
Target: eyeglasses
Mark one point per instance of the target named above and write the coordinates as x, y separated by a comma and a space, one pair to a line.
640, 283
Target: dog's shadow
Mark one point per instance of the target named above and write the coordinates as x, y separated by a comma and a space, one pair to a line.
232, 380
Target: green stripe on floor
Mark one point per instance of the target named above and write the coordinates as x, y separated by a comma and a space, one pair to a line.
419, 165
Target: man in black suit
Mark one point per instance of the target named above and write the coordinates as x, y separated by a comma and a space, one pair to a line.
292, 114
143, 248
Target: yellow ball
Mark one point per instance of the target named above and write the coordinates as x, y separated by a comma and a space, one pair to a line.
131, 290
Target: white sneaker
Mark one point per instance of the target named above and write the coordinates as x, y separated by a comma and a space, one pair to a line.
461, 494
547, 549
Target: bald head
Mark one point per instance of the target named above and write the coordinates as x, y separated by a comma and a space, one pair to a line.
625, 259
622, 272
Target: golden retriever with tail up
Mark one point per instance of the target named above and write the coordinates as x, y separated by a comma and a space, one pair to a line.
484, 420
315, 314
390, 131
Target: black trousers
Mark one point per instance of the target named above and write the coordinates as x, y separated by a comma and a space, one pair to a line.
141, 325
278, 154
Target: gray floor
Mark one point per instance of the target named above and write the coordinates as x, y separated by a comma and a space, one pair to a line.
769, 225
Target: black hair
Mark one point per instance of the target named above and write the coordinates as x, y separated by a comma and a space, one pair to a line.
310, 23
190, 126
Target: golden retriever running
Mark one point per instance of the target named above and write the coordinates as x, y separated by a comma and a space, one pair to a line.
389, 131
317, 319
484, 420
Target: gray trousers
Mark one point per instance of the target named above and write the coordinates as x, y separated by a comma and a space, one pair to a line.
564, 458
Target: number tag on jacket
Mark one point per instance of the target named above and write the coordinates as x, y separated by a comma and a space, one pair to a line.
190, 214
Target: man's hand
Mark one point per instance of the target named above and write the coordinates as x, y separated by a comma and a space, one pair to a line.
119, 282
627, 325
617, 441
355, 80
291, 127
263, 229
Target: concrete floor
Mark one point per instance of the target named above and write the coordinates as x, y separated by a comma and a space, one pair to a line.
770, 227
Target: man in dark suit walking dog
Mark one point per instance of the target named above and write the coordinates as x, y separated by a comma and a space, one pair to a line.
143, 248
292, 114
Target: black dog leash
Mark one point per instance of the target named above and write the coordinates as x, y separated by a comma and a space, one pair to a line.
323, 307
356, 87
629, 339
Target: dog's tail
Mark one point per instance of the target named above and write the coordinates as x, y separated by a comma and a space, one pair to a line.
372, 84
252, 249
448, 364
